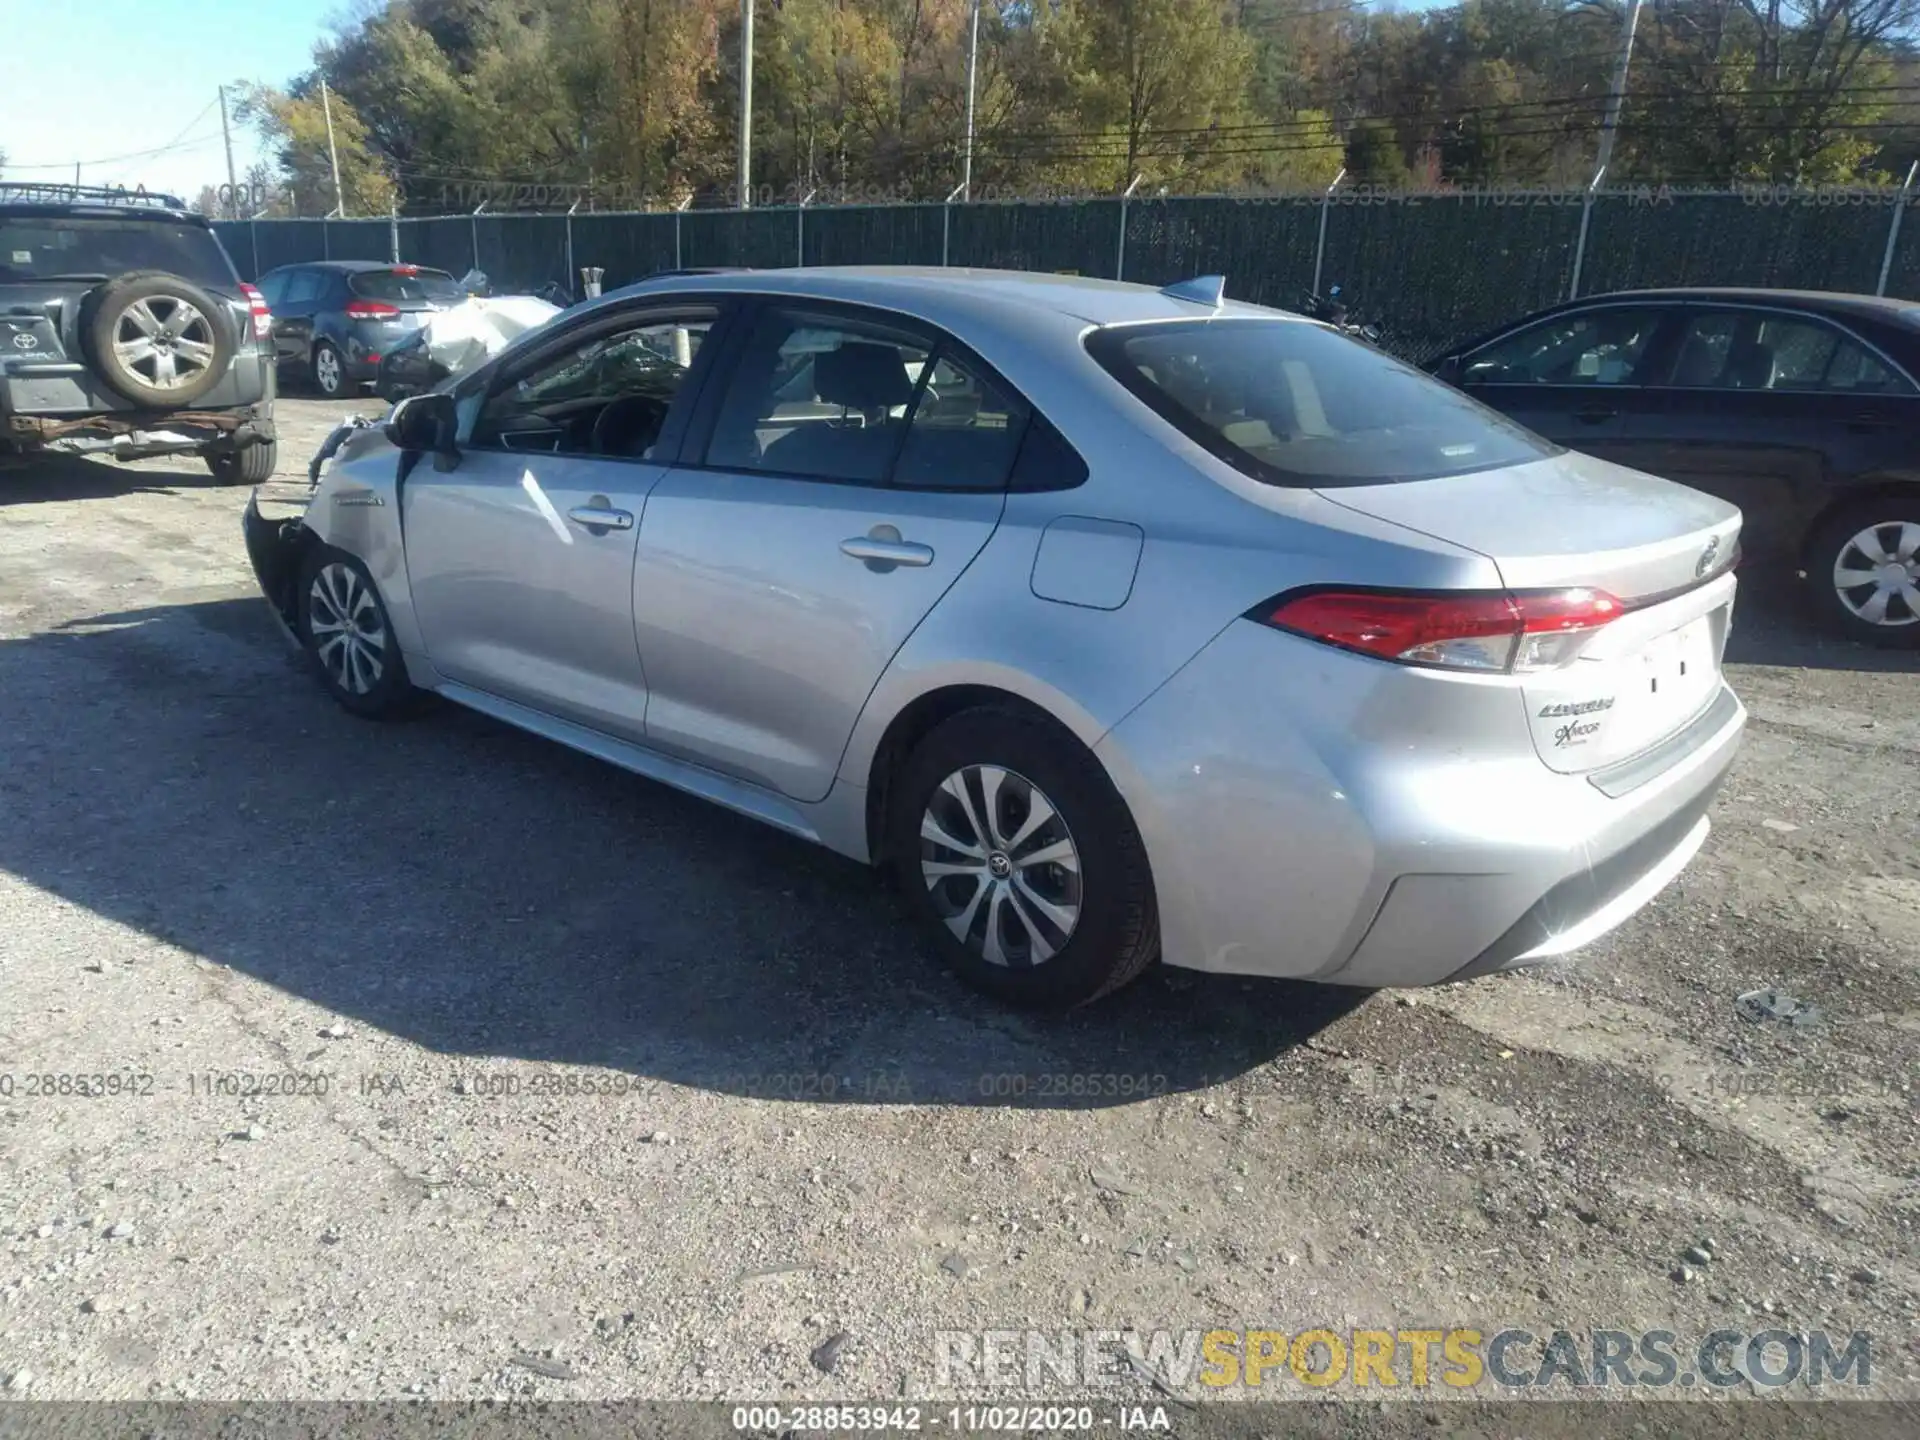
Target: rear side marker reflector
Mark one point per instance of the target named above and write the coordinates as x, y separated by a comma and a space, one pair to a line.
1492, 632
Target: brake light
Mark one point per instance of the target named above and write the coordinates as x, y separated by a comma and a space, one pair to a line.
406, 269
1489, 631
371, 310
257, 307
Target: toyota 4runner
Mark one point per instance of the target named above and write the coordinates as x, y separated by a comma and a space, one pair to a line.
126, 331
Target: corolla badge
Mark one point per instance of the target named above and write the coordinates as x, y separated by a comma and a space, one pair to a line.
1707, 557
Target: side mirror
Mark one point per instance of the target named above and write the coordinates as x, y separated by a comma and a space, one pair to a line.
422, 423
1449, 369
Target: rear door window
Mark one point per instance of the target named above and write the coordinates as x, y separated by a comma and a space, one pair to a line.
965, 432
1292, 403
37, 248
1858, 371
406, 283
1747, 349
303, 287
819, 397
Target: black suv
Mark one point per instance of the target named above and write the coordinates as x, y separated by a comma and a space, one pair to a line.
125, 331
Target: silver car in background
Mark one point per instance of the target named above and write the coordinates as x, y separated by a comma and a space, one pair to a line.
1120, 623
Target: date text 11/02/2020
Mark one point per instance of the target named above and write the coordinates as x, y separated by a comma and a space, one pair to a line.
1043, 1419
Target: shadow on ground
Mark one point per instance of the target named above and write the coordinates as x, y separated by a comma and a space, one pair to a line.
481, 892
43, 478
1772, 626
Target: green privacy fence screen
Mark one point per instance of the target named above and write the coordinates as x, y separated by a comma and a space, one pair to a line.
1429, 268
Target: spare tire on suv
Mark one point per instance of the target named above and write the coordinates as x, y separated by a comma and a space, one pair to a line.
157, 339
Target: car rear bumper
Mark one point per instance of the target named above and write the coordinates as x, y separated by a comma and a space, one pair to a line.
1314, 814
134, 435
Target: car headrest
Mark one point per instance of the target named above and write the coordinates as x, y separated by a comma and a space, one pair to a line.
1750, 365
1698, 365
862, 375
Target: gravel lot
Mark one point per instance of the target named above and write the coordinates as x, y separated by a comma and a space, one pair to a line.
794, 1126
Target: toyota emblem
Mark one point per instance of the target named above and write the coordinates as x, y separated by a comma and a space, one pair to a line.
25, 340
1707, 557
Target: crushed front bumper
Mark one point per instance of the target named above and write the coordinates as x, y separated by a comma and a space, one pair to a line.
274, 525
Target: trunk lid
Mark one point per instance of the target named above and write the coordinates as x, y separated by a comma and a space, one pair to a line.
1567, 520
1574, 521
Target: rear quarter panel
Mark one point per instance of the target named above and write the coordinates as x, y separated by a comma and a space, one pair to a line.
1215, 544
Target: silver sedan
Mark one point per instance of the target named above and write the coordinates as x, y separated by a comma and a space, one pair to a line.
1122, 624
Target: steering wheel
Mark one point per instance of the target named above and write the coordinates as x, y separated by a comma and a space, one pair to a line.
628, 425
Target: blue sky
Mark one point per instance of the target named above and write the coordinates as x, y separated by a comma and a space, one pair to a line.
94, 80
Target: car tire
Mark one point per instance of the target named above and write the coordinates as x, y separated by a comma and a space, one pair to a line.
360, 665
1057, 911
1865, 542
157, 339
250, 465
329, 371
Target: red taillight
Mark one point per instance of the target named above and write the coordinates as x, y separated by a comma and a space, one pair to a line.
371, 310
257, 307
406, 269
1456, 630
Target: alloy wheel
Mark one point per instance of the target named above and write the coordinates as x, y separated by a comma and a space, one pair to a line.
349, 637
1877, 574
1000, 866
164, 340
326, 369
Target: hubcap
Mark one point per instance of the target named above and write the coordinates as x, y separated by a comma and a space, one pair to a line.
326, 369
1877, 574
164, 340
349, 639
1000, 866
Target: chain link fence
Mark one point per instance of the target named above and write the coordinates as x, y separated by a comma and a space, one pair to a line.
1429, 269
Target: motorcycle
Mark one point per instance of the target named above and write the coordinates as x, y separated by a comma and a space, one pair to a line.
1330, 309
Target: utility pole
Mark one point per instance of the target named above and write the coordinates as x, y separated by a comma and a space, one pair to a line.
226, 137
746, 104
1617, 95
333, 154
973, 65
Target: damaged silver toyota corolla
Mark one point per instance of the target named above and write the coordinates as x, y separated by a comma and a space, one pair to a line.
1121, 623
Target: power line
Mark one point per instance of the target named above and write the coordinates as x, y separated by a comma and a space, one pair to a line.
179, 142
1062, 146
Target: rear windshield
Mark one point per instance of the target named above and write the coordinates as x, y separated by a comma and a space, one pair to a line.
434, 285
1296, 404
34, 247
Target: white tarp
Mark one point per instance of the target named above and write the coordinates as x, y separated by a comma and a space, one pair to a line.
475, 329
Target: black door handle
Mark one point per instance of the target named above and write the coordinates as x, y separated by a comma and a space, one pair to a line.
1594, 416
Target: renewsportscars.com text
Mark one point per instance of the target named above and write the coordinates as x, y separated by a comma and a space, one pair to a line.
1460, 1358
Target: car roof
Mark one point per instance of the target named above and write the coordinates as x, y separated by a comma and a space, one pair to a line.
1832, 303
97, 210
358, 267
1838, 302
949, 294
